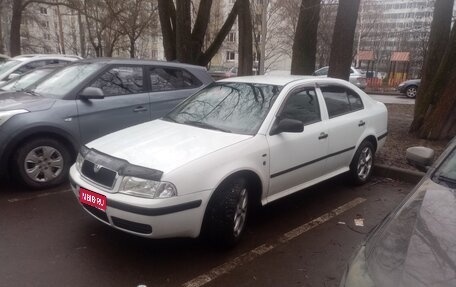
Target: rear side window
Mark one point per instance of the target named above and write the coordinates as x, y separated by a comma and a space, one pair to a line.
120, 81
302, 106
169, 79
340, 100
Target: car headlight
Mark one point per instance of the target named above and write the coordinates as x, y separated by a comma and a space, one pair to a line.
81, 155
6, 115
147, 188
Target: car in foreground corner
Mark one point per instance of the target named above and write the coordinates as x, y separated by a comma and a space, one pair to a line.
236, 143
414, 245
409, 88
43, 127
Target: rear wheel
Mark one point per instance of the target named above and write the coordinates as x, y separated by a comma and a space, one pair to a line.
42, 163
411, 92
362, 163
227, 213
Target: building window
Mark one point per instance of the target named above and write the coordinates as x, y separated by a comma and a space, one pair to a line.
45, 24
230, 55
154, 54
232, 37
43, 10
47, 36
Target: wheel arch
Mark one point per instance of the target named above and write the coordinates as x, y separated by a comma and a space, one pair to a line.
40, 132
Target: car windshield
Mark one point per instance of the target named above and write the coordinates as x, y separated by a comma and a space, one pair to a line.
446, 173
8, 65
66, 79
230, 107
26, 80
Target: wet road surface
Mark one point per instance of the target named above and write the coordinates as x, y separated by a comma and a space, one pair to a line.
306, 239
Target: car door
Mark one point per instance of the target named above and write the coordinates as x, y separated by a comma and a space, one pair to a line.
125, 102
169, 86
346, 124
297, 158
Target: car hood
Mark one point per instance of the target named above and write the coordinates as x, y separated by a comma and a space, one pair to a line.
163, 145
416, 248
21, 100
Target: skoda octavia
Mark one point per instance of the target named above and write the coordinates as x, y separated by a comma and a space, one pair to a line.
236, 143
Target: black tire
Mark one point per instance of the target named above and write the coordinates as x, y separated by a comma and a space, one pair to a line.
362, 163
411, 91
42, 163
223, 212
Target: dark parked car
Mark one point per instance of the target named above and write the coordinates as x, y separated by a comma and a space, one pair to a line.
415, 244
409, 88
25, 80
42, 129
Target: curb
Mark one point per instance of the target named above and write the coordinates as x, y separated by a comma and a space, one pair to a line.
398, 173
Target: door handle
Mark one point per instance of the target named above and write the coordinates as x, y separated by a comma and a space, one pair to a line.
323, 136
361, 123
140, 109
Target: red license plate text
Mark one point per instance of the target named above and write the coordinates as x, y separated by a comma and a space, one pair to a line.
92, 198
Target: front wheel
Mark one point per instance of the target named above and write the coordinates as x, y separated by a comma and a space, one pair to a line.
411, 92
42, 162
227, 213
362, 163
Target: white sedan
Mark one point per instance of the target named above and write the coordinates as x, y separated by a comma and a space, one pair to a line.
236, 143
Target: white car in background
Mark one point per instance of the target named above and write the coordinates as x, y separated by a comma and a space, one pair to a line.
19, 65
357, 76
236, 143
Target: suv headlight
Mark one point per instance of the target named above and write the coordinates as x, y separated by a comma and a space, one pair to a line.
6, 115
147, 188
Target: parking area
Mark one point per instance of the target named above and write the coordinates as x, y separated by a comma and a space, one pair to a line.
306, 239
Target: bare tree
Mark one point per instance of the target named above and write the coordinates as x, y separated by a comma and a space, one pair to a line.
433, 85
305, 41
184, 43
245, 38
342, 40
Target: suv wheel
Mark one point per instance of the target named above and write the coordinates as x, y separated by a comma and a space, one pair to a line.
42, 163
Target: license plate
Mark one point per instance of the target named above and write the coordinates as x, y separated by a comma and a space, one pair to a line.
92, 198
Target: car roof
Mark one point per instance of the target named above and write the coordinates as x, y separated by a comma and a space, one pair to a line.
33, 56
124, 61
268, 79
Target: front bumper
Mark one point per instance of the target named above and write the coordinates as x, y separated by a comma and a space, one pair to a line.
179, 216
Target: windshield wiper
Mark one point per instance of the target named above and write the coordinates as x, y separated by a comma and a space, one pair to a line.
205, 125
446, 179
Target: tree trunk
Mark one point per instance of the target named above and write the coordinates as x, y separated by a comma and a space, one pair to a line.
179, 42
2, 46
245, 39
168, 25
15, 32
438, 41
61, 35
132, 48
439, 121
305, 40
82, 41
342, 41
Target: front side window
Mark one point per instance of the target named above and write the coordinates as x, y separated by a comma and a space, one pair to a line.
168, 79
120, 81
230, 107
30, 66
302, 106
340, 101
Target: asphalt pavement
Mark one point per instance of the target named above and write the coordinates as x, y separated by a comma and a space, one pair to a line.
46, 239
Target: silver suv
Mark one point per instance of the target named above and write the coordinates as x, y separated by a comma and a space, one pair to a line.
41, 129
20, 64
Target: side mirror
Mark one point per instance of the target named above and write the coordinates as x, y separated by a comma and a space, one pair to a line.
287, 126
91, 93
13, 75
420, 157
